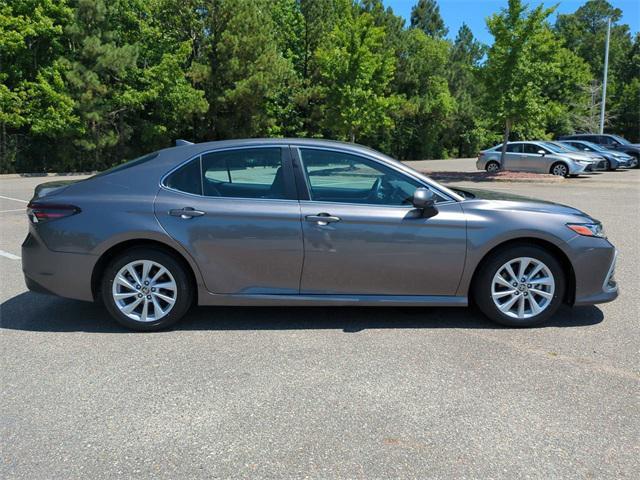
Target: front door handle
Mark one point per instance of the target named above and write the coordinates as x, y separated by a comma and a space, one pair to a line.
186, 212
322, 218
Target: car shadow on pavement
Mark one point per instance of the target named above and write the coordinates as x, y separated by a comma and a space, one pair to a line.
43, 313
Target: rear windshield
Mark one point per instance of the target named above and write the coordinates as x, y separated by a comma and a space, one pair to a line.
128, 164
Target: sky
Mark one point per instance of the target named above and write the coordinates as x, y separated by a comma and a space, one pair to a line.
474, 12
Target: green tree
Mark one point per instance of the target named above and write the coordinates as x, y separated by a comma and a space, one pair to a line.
425, 15
356, 71
468, 130
422, 81
515, 71
249, 87
32, 89
584, 33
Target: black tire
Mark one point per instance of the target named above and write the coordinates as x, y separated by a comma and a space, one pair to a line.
481, 288
560, 169
492, 166
183, 294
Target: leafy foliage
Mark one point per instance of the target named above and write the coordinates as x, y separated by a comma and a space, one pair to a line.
85, 84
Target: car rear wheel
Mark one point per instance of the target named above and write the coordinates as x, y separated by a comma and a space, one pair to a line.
146, 289
520, 287
560, 169
492, 167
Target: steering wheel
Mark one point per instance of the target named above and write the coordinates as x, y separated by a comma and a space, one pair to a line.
377, 190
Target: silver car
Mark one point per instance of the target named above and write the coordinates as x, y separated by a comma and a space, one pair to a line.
538, 157
304, 222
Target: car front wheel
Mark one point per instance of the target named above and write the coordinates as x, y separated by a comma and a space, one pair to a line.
560, 169
522, 286
493, 167
146, 289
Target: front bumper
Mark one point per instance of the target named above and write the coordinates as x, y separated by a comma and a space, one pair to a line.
594, 268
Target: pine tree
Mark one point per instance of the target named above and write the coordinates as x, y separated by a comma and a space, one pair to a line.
425, 15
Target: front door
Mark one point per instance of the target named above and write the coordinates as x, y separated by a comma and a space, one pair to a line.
533, 160
236, 212
362, 235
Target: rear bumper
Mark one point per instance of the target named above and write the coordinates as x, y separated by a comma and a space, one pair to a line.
63, 274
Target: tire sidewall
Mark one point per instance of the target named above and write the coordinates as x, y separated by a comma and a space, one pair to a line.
493, 162
553, 167
482, 284
184, 294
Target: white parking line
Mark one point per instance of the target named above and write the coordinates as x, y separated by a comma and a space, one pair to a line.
14, 199
8, 255
14, 210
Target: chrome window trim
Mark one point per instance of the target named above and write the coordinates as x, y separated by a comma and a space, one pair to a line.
216, 150
401, 171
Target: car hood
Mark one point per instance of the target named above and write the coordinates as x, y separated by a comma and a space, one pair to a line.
509, 201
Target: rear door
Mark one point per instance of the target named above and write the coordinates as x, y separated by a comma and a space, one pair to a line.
237, 213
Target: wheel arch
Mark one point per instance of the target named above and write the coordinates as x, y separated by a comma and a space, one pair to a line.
113, 251
546, 245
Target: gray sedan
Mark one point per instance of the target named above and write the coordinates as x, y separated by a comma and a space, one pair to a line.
538, 157
613, 158
304, 222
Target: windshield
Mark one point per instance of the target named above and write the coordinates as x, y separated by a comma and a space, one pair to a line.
623, 141
566, 146
555, 147
595, 146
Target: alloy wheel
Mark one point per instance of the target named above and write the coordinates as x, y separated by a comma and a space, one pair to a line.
144, 290
560, 170
493, 167
523, 288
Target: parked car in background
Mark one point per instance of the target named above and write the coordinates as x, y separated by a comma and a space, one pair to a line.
614, 158
536, 157
613, 142
305, 222
599, 162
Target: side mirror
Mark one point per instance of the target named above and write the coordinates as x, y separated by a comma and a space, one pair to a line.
541, 152
425, 200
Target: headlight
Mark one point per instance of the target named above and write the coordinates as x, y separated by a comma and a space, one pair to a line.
587, 229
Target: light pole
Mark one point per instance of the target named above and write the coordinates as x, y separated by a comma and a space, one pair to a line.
604, 80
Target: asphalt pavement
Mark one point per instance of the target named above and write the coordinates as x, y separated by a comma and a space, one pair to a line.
325, 392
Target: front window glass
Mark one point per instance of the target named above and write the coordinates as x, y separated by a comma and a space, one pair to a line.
531, 148
344, 178
244, 173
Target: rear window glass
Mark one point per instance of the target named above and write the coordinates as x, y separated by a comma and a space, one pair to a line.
187, 178
131, 163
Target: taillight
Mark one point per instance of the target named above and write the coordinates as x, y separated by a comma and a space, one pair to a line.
43, 212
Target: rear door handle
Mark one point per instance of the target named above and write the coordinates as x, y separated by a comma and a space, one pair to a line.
186, 212
322, 218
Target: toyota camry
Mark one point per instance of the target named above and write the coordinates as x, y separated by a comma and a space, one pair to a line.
304, 222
